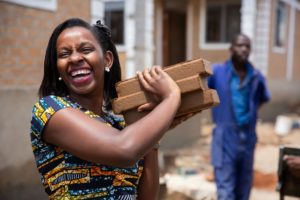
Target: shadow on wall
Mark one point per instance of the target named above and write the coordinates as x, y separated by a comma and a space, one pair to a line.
19, 177
285, 98
183, 135
22, 183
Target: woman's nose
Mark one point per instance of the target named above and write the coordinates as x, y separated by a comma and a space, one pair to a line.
76, 57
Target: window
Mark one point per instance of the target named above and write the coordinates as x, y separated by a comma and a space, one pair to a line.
222, 21
280, 25
114, 19
41, 4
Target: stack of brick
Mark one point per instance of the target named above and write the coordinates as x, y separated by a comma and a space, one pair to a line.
190, 76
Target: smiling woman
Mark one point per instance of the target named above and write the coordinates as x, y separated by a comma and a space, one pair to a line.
81, 61
83, 150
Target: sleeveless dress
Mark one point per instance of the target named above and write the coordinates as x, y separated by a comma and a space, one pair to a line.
65, 176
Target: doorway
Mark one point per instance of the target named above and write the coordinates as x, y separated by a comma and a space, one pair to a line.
174, 32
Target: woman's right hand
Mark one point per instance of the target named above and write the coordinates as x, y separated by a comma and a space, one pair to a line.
160, 85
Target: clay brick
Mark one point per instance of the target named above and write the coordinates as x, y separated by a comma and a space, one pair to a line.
136, 99
190, 77
191, 103
176, 72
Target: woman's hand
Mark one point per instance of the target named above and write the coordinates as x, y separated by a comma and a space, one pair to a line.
159, 85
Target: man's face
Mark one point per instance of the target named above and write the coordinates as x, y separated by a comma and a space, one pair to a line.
241, 49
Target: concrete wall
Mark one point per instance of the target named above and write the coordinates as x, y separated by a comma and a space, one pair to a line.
296, 66
184, 134
277, 60
19, 175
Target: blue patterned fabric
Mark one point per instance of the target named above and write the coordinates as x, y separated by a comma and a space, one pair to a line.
65, 176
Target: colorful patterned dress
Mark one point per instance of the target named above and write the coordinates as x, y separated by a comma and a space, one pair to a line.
65, 176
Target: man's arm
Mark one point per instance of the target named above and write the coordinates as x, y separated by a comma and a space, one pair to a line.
264, 93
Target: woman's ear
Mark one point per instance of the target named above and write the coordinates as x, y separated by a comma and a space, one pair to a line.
109, 59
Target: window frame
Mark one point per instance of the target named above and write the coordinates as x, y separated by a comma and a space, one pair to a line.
98, 12
203, 43
123, 10
280, 49
50, 5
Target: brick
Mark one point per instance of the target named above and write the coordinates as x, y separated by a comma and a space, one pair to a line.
176, 72
25, 32
136, 99
191, 103
190, 77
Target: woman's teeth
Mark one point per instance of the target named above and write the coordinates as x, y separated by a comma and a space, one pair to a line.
80, 72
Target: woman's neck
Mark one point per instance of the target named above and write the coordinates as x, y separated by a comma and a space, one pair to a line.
93, 103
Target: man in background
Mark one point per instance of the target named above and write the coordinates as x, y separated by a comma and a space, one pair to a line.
242, 90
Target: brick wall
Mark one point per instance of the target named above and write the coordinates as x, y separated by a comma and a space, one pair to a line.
24, 34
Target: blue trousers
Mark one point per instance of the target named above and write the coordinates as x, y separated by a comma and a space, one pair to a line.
234, 176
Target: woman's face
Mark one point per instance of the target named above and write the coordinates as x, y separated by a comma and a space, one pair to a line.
80, 61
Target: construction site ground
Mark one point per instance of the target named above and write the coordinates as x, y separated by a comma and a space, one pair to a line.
186, 173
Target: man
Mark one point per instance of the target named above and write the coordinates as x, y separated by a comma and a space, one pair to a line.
242, 90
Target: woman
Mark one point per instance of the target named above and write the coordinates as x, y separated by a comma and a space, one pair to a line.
82, 150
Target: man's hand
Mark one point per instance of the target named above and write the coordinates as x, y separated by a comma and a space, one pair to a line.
293, 163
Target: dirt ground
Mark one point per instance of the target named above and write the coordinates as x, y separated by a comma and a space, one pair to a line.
186, 173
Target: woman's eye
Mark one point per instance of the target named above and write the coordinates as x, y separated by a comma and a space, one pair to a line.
63, 54
87, 50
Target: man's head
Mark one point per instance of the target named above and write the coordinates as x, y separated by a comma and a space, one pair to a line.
240, 48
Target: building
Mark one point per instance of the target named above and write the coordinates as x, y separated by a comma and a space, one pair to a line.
147, 32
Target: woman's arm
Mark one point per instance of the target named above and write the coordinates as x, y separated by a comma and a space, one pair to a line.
94, 141
149, 183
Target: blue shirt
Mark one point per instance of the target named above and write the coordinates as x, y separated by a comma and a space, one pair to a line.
223, 114
240, 91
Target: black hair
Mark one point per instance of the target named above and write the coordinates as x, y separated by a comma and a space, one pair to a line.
52, 86
236, 36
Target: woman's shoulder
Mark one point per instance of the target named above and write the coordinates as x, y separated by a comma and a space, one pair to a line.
53, 101
45, 108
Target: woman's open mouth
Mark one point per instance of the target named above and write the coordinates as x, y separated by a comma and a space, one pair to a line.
81, 76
